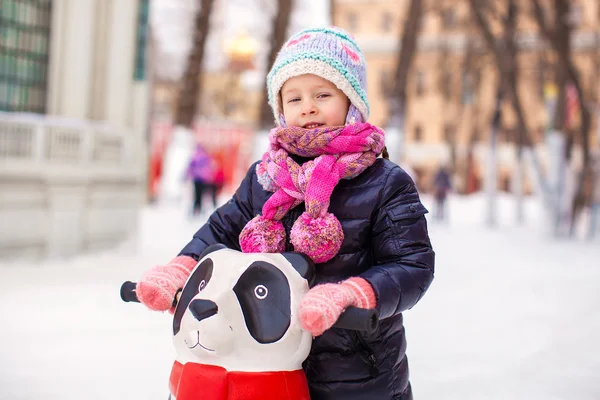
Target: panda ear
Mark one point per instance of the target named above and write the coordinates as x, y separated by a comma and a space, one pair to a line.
210, 249
303, 264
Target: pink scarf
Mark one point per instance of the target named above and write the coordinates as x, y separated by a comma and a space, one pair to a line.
341, 152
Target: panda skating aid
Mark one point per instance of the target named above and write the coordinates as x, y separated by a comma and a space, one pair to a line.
236, 331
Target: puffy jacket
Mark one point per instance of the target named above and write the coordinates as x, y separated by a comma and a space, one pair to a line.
385, 242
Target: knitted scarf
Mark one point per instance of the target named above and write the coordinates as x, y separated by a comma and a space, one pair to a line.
341, 152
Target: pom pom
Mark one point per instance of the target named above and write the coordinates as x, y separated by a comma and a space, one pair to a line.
262, 235
319, 238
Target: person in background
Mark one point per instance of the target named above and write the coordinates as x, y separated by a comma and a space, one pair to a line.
441, 186
218, 178
595, 197
325, 187
200, 171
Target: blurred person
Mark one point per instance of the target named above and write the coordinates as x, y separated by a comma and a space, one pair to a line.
218, 178
441, 186
154, 174
321, 189
595, 198
200, 171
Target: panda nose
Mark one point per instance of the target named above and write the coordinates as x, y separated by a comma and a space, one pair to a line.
202, 309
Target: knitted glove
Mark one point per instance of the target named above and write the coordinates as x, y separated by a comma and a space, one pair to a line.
159, 285
323, 304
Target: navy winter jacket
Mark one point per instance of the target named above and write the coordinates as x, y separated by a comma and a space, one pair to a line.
385, 242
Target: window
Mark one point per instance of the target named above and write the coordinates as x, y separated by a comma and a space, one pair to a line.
139, 72
386, 83
386, 22
448, 17
352, 22
446, 84
475, 135
575, 15
468, 85
24, 49
418, 133
420, 83
541, 76
449, 133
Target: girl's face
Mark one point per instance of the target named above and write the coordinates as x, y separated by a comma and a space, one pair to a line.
310, 101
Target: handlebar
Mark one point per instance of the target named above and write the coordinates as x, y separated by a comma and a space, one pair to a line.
353, 318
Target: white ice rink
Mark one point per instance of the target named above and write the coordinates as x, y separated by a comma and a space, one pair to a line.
511, 314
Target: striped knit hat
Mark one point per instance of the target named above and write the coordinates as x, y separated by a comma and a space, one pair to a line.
330, 53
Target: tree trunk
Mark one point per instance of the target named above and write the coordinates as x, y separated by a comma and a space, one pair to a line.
397, 101
181, 142
560, 39
507, 70
191, 82
281, 21
406, 54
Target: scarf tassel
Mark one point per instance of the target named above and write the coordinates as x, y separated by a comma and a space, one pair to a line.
319, 238
262, 235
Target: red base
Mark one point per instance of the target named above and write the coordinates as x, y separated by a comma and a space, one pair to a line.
193, 381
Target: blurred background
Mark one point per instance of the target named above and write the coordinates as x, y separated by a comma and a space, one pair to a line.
492, 106
101, 104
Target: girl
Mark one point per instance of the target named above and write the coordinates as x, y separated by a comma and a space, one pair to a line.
321, 189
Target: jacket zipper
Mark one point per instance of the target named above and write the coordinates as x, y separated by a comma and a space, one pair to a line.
373, 370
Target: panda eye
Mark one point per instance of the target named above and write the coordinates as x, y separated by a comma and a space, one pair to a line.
261, 292
202, 284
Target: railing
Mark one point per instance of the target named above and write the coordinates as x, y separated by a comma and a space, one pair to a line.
56, 141
78, 183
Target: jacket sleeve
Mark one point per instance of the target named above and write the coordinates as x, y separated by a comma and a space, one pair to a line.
403, 257
226, 223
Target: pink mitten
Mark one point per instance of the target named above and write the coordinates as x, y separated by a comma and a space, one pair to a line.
322, 305
159, 284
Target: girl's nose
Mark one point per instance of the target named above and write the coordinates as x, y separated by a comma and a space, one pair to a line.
309, 108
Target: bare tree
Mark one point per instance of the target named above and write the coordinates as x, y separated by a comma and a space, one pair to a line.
182, 141
405, 57
459, 83
504, 50
281, 21
190, 85
558, 34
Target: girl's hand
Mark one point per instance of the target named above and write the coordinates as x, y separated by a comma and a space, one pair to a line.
322, 305
159, 285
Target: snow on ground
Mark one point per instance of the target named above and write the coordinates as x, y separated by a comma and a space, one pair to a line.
511, 314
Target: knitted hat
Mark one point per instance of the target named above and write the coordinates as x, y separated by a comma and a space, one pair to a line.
330, 53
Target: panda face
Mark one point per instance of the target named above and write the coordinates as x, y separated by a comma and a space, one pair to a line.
197, 281
238, 311
263, 292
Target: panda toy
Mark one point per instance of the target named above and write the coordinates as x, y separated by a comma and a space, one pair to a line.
236, 330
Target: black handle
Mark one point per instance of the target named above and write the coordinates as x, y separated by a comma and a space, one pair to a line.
128, 292
358, 319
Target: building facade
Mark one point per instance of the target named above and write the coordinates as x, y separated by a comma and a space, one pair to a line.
452, 85
73, 124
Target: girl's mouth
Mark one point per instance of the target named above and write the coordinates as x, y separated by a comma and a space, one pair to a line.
312, 125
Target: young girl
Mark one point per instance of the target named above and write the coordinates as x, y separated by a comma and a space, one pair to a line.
321, 189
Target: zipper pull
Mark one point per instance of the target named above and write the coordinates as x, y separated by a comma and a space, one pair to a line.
373, 370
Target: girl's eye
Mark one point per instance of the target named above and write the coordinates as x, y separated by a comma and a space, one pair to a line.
295, 99
323, 95
202, 284
261, 292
